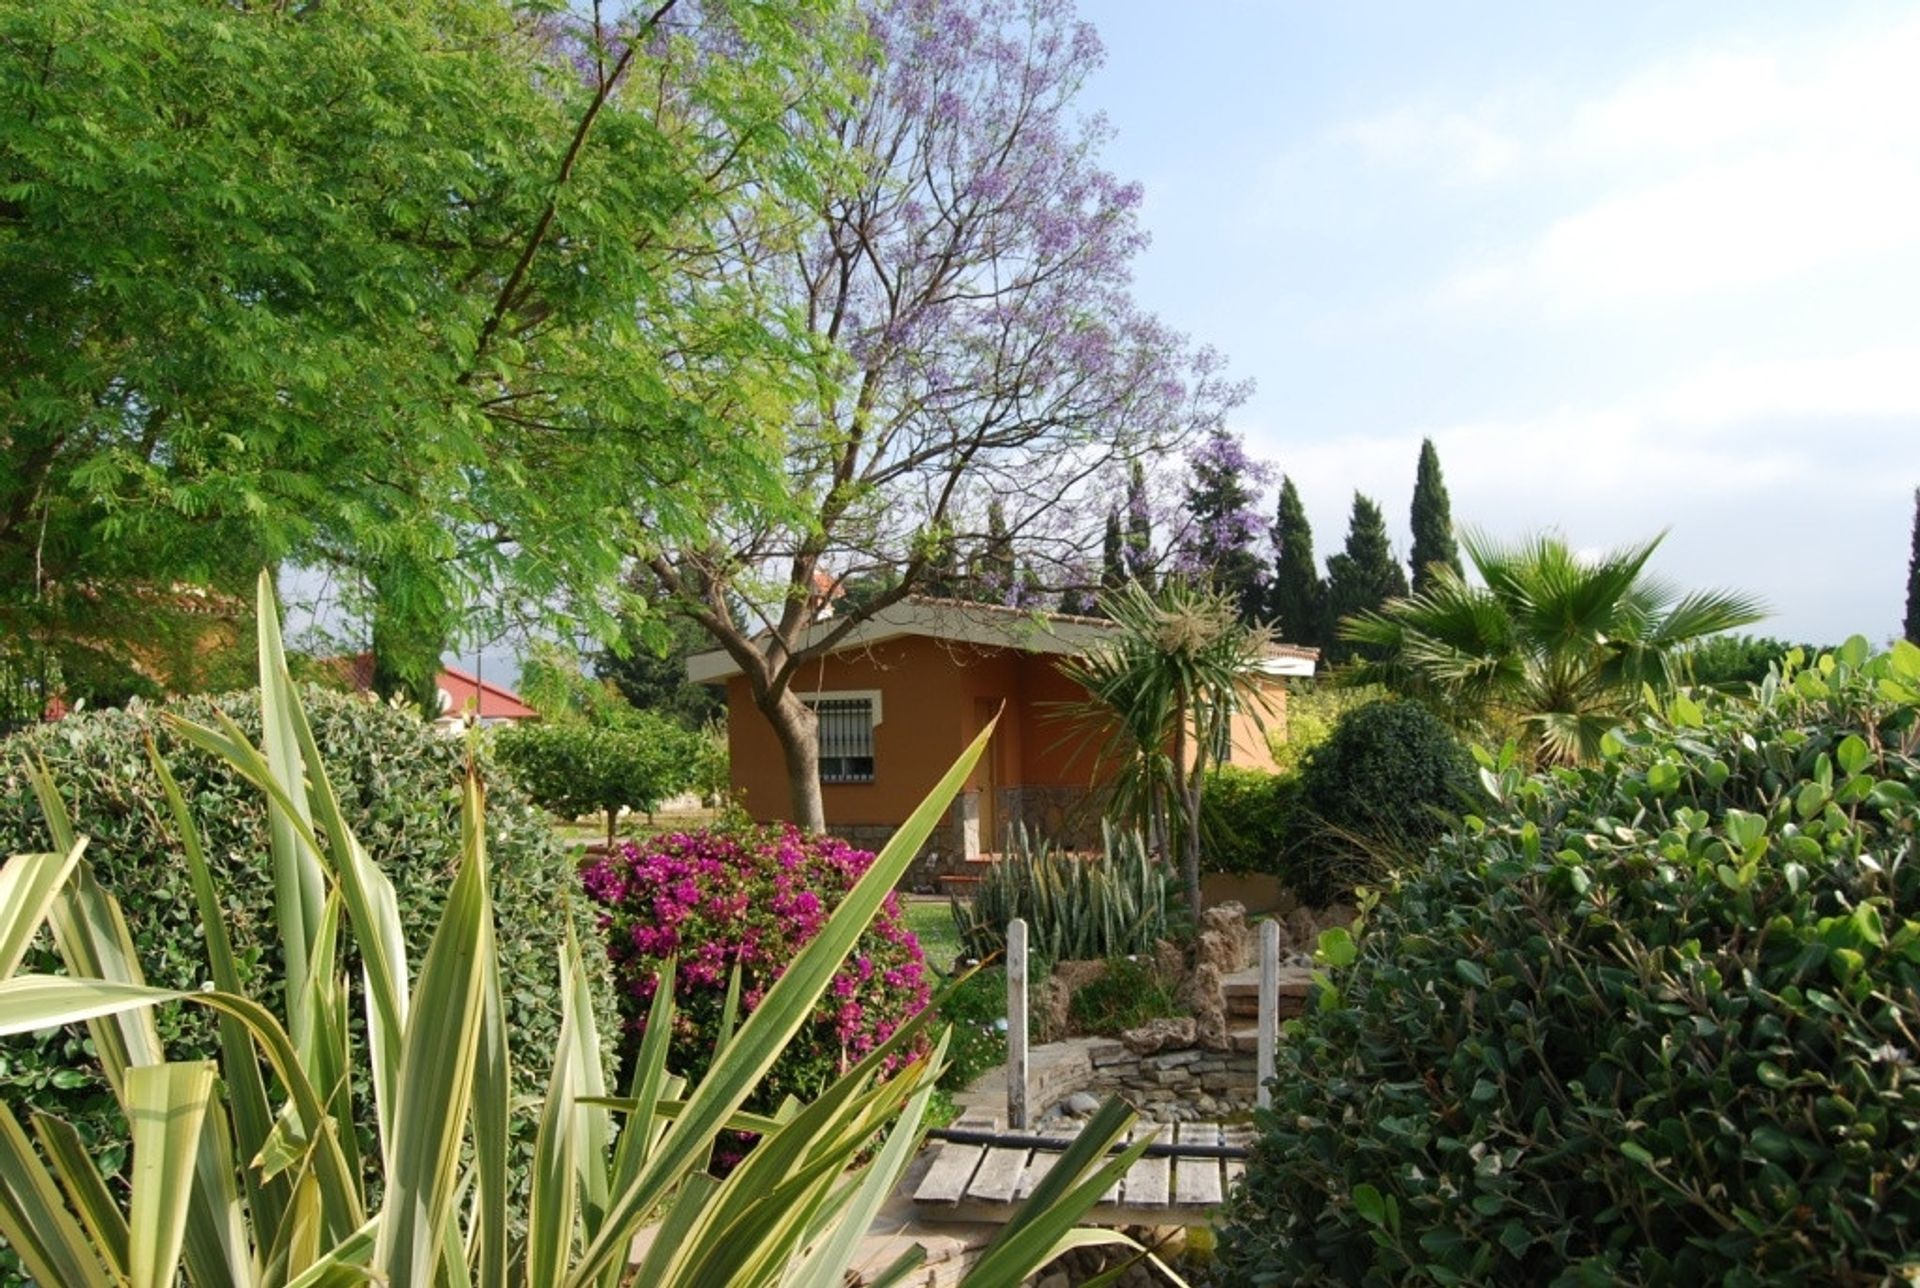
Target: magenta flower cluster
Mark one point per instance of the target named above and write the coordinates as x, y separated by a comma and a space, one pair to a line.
750, 898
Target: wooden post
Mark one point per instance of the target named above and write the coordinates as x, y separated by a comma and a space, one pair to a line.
1269, 1009
1017, 1025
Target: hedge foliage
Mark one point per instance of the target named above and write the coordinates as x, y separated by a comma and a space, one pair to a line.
1652, 1022
399, 786
1378, 791
1244, 817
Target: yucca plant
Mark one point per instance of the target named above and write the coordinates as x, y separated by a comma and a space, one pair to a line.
1075, 906
246, 1171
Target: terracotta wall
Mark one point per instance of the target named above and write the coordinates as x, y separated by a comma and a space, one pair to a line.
926, 717
935, 696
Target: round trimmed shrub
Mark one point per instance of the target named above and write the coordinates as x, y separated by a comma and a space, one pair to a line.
1243, 816
1377, 792
399, 785
750, 897
1653, 1022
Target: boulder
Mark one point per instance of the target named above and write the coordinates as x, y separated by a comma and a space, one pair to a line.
1206, 998
1224, 939
1159, 1035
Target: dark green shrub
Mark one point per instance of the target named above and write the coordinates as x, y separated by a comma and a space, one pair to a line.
1653, 1022
574, 768
1130, 993
399, 787
1243, 819
1379, 790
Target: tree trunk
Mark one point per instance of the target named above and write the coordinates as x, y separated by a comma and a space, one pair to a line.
1188, 806
1192, 795
613, 815
797, 728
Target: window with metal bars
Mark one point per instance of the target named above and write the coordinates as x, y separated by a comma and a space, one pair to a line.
846, 739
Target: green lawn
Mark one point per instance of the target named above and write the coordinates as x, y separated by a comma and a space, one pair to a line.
931, 921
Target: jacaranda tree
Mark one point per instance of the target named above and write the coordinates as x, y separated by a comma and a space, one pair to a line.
966, 272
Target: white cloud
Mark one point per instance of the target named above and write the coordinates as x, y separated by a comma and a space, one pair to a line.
1714, 174
1725, 228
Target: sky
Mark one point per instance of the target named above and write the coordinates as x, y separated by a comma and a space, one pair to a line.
1632, 267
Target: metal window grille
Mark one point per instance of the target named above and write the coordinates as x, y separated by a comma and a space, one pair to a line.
846, 739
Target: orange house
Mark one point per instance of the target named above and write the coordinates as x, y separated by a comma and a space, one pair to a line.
905, 692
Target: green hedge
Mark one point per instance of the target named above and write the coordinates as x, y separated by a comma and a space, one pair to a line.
399, 785
1650, 1023
1244, 817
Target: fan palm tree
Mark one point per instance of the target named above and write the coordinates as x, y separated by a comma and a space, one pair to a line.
1558, 645
1161, 695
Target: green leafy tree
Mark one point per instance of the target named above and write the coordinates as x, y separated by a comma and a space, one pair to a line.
1911, 625
1113, 554
1297, 603
652, 673
1554, 649
426, 291
1433, 541
573, 768
1363, 576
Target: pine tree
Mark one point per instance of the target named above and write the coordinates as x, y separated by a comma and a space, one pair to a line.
1297, 599
1139, 546
1219, 545
1912, 623
1433, 544
1365, 575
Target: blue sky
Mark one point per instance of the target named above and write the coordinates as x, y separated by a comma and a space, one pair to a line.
1633, 267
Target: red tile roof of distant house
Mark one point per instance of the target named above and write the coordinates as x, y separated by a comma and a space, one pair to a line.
465, 691
471, 693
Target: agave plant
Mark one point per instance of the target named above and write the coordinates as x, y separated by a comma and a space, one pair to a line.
246, 1171
1075, 907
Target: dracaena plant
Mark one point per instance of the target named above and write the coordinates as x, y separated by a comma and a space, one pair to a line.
245, 1169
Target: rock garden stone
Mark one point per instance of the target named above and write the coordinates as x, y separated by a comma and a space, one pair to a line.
1158, 1035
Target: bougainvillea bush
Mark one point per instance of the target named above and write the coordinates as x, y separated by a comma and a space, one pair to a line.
751, 897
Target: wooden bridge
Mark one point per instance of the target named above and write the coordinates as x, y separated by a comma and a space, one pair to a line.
985, 1175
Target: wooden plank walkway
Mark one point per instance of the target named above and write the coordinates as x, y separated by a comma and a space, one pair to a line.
966, 1182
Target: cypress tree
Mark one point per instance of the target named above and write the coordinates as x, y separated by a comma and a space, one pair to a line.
1363, 576
1113, 555
1219, 545
1912, 623
1433, 544
1139, 546
1297, 600
993, 567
